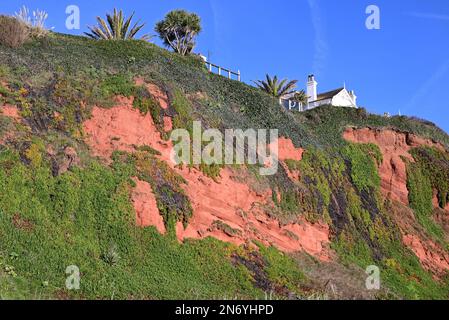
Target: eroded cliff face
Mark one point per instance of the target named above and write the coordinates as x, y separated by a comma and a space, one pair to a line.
395, 147
145, 206
224, 208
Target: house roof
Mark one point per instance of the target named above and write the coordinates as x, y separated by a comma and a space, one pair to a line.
329, 94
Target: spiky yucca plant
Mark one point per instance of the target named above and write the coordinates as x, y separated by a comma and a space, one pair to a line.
275, 87
116, 28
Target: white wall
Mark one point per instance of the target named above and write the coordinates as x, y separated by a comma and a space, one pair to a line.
319, 103
343, 99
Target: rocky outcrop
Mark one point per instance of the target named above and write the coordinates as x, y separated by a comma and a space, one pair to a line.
145, 205
394, 146
161, 97
241, 212
120, 128
431, 255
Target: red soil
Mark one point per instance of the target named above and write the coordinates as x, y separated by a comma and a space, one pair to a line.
431, 255
144, 201
240, 208
10, 111
120, 128
393, 145
229, 201
287, 151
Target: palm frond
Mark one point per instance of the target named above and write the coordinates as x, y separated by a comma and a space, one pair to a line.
116, 27
275, 87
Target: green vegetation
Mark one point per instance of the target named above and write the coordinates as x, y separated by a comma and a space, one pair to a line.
435, 165
116, 28
373, 239
301, 97
328, 123
364, 160
118, 85
429, 172
277, 88
184, 111
282, 270
84, 216
178, 31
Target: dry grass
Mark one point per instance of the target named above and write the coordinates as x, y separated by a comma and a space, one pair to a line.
13, 33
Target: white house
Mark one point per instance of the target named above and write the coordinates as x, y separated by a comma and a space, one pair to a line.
340, 97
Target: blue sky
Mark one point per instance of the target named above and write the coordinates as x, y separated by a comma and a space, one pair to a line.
403, 66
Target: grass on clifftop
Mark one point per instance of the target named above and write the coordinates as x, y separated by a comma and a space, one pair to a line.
222, 103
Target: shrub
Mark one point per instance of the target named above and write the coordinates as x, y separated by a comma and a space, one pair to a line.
13, 33
36, 24
116, 27
118, 85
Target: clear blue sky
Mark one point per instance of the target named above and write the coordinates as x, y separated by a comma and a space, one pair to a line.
403, 66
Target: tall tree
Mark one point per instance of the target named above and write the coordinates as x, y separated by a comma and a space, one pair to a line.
179, 30
275, 87
116, 28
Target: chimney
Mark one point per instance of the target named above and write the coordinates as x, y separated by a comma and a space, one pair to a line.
312, 88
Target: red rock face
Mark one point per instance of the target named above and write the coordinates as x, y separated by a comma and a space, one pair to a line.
432, 257
231, 202
236, 205
120, 128
161, 97
147, 212
393, 145
287, 151
10, 111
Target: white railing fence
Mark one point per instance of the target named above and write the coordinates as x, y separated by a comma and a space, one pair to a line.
223, 71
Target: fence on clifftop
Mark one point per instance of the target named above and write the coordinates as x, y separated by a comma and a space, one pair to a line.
223, 71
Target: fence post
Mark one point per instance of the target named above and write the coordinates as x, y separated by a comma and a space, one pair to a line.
238, 75
229, 74
210, 67
219, 71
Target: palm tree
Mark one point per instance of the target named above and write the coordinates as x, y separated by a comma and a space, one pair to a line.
276, 88
301, 97
179, 30
116, 28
